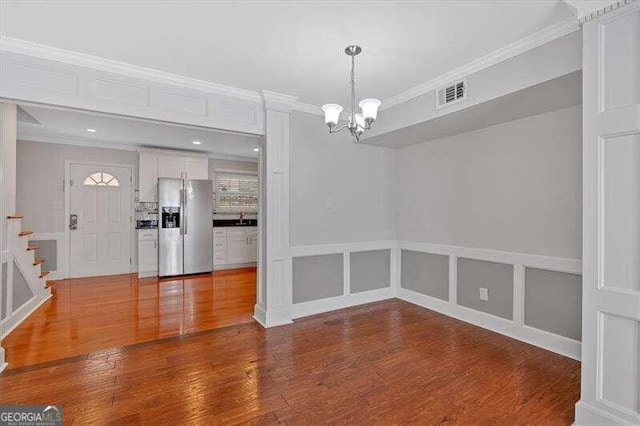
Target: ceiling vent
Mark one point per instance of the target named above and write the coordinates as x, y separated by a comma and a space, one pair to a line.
451, 94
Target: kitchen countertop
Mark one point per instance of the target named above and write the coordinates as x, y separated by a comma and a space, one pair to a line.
217, 223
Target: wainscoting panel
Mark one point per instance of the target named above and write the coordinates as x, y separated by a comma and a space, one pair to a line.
47, 250
370, 270
553, 302
21, 291
425, 273
317, 277
497, 278
522, 289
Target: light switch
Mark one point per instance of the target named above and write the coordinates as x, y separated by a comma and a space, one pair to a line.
484, 293
329, 203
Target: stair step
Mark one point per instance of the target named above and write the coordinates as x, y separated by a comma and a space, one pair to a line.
49, 283
37, 262
14, 216
44, 274
23, 233
32, 248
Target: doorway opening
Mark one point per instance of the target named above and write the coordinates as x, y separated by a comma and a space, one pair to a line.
89, 190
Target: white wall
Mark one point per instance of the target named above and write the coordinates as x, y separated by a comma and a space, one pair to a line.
356, 179
40, 179
513, 187
8, 124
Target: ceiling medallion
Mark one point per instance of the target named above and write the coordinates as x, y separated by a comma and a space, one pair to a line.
357, 123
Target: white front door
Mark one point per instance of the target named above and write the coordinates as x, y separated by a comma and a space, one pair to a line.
100, 197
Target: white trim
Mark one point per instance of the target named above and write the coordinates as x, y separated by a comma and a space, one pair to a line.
587, 414
314, 307
523, 45
133, 244
107, 65
556, 264
128, 147
23, 312
308, 108
559, 344
301, 251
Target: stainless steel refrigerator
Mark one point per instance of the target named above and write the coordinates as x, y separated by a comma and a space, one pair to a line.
185, 233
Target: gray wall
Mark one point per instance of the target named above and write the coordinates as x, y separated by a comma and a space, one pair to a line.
41, 174
551, 60
370, 270
357, 179
21, 291
496, 277
47, 250
317, 277
425, 273
553, 302
513, 187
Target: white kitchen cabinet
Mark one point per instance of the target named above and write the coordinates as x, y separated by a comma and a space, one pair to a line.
147, 252
234, 246
170, 166
148, 177
196, 168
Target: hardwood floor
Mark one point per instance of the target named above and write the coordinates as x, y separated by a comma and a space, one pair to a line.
89, 314
387, 362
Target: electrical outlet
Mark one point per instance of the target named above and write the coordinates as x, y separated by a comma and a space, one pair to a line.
484, 293
56, 205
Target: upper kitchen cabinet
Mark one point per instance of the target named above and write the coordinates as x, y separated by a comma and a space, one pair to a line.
196, 168
153, 165
170, 166
148, 177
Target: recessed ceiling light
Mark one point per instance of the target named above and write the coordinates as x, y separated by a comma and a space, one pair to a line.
197, 143
91, 130
256, 149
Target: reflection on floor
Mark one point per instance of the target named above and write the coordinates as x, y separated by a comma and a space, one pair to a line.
90, 314
385, 363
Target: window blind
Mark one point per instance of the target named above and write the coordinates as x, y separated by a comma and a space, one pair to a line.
236, 192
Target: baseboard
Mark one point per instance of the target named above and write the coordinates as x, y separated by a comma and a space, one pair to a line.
234, 266
587, 414
314, 307
3, 364
274, 318
23, 312
147, 274
552, 342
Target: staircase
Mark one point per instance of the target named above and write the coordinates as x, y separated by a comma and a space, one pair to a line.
29, 266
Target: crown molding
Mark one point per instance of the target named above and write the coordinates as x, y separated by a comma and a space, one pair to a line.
523, 45
308, 108
69, 57
278, 101
589, 9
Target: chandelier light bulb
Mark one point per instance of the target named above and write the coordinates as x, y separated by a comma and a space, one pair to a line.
369, 108
331, 114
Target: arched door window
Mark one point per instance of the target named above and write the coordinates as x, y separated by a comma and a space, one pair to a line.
101, 179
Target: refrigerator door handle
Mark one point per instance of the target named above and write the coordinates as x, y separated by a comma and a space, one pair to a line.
184, 205
182, 212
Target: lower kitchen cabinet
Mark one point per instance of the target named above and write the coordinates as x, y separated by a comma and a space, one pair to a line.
234, 246
147, 252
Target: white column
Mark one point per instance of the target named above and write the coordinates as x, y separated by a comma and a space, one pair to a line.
275, 276
610, 385
8, 125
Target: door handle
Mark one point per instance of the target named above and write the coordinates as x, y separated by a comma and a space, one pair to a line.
73, 222
184, 204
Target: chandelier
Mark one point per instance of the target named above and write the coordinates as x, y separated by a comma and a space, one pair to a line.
357, 123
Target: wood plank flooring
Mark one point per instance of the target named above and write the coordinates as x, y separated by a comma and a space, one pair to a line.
90, 314
383, 363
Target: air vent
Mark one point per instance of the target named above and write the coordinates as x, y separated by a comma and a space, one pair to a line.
451, 94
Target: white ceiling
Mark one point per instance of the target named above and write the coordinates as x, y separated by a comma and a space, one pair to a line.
289, 47
561, 92
70, 126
